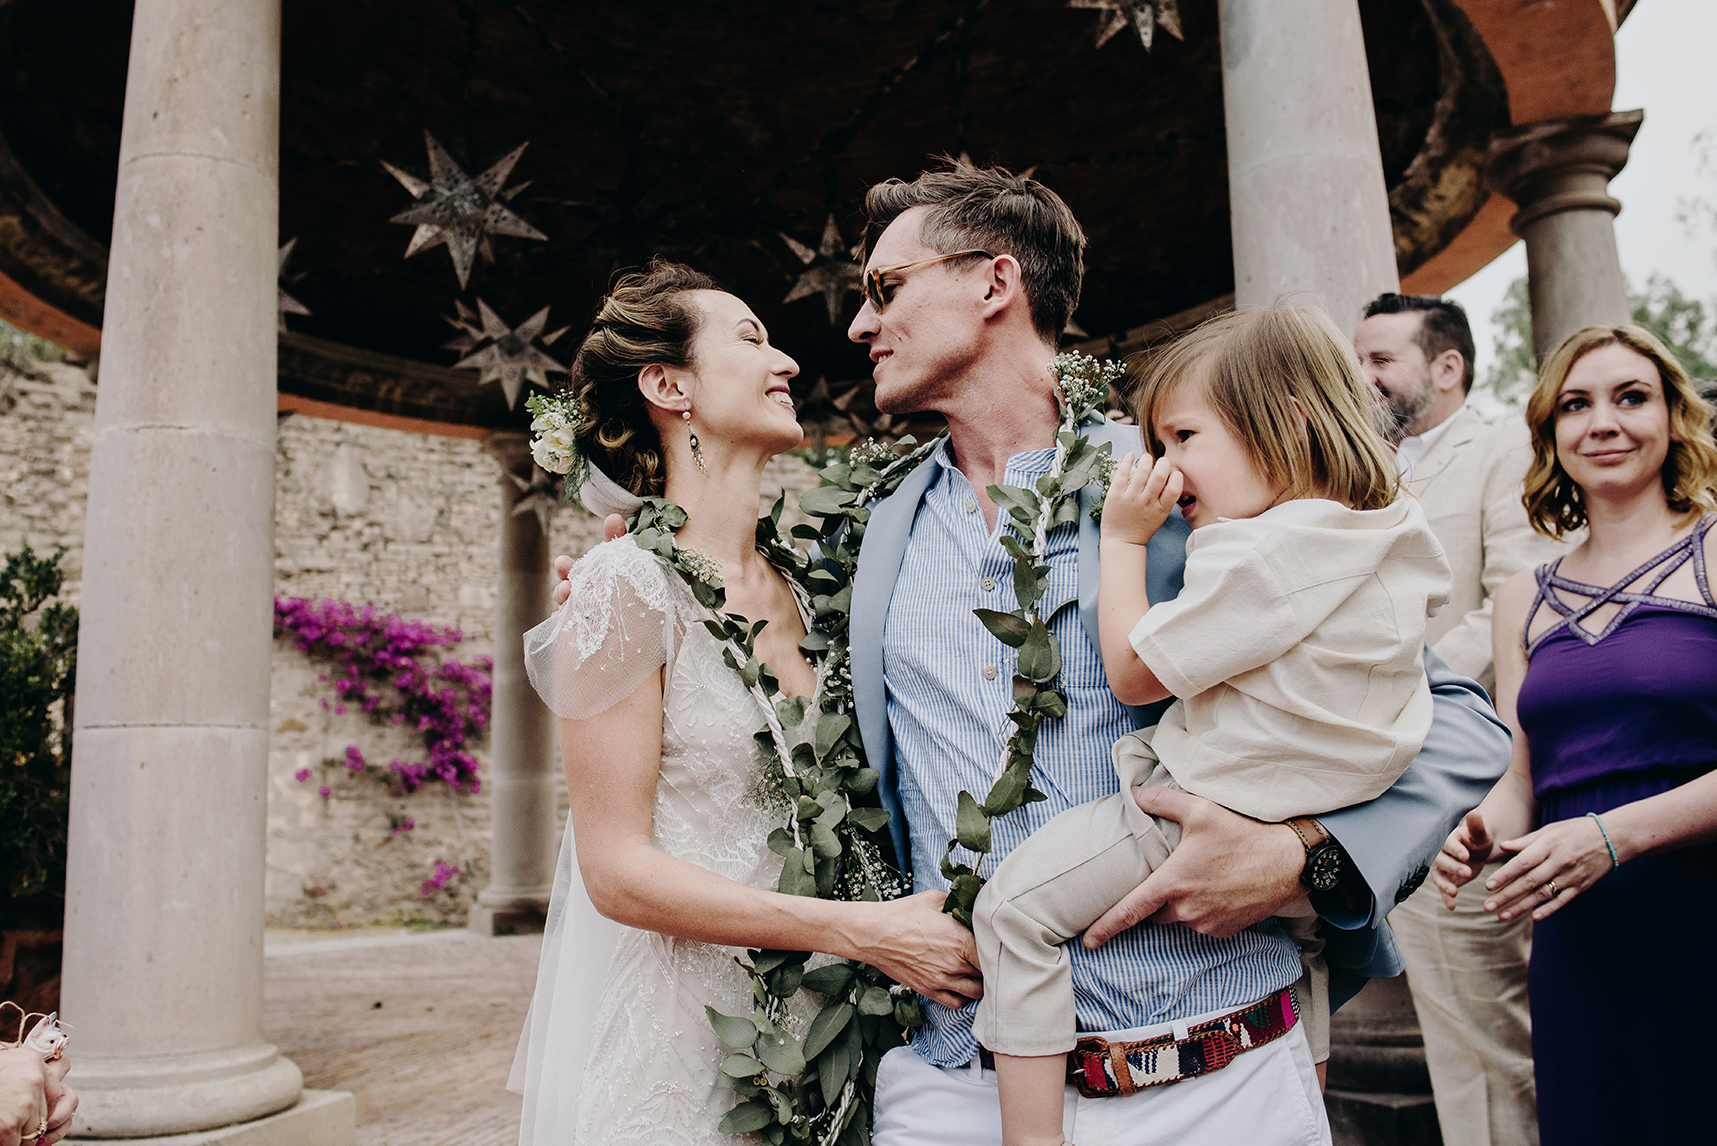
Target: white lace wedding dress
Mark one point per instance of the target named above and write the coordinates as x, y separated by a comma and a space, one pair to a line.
617, 1050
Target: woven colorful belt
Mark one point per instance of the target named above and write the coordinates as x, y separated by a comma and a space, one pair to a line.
1102, 1069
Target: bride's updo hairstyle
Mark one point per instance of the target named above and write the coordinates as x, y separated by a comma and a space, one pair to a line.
644, 321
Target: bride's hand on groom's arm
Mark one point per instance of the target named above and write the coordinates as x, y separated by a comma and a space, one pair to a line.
612, 526
918, 945
1228, 872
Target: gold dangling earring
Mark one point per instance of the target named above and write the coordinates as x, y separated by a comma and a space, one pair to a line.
697, 447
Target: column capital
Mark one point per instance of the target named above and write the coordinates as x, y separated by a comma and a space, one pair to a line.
1561, 164
512, 449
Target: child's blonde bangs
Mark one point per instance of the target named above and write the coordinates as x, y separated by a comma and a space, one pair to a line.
1325, 440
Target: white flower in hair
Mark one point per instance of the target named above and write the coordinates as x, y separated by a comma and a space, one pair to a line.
556, 420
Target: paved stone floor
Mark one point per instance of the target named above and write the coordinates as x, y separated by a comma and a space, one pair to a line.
422, 1028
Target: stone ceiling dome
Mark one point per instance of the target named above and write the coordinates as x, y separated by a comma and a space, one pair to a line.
708, 132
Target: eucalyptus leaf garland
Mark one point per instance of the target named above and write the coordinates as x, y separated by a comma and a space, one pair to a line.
1081, 384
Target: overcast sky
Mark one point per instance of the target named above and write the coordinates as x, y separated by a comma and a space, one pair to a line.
1665, 63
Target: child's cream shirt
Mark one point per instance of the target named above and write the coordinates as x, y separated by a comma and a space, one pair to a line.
1296, 649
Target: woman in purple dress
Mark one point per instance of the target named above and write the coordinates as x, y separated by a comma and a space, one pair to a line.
1606, 669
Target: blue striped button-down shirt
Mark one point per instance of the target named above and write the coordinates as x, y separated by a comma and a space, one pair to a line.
949, 691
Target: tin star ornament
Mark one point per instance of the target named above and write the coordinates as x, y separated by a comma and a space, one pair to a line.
836, 273
541, 495
285, 304
455, 209
513, 356
1143, 15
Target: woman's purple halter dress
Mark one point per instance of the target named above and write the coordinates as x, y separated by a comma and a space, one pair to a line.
1621, 977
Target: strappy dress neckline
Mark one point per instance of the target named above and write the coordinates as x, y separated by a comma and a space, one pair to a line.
1688, 548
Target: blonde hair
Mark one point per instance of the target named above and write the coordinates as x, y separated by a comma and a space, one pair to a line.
1554, 503
1326, 442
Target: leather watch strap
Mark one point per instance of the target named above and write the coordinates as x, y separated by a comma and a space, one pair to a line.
1312, 834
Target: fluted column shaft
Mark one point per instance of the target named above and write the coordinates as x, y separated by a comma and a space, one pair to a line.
1558, 172
1307, 201
523, 778
164, 897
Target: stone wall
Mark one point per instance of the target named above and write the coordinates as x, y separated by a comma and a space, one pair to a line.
406, 522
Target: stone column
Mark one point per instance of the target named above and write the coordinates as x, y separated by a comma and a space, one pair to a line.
164, 893
524, 776
1309, 209
1557, 171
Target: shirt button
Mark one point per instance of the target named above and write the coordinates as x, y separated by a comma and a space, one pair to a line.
987, 584
971, 505
989, 672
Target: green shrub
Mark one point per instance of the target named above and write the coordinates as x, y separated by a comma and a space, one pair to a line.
38, 663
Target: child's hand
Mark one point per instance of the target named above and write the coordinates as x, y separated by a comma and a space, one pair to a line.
1140, 499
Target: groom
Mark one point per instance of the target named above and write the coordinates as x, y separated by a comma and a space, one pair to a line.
968, 336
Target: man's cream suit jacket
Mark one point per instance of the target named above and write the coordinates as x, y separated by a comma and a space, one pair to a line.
1469, 483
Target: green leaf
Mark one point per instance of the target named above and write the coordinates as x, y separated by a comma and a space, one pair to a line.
764, 962
971, 826
1029, 583
1005, 795
830, 1021
790, 710
795, 880
736, 1033
876, 1001
1040, 655
741, 1066
1013, 497
830, 979
1008, 628
825, 501
830, 728
868, 819
824, 842
751, 673
863, 781
779, 1052
815, 641
784, 980
753, 1114
908, 1012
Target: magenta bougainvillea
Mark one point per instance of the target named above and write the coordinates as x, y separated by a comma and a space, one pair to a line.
396, 670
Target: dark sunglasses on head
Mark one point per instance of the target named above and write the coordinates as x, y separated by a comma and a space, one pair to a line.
878, 294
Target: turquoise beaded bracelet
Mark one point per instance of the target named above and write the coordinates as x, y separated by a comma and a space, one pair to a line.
1614, 862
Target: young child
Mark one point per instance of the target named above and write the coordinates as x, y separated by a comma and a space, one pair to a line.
1294, 650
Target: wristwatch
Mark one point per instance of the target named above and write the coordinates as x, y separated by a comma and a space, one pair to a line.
1326, 863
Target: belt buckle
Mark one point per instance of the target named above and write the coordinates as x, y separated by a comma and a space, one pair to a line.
1085, 1068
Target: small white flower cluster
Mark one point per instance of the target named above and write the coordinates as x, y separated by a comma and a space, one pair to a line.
556, 422
869, 452
1083, 381
701, 565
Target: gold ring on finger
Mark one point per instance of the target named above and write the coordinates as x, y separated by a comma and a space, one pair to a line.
1554, 890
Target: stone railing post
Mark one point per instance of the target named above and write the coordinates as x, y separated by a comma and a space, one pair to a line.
1309, 209
164, 892
523, 779
1557, 171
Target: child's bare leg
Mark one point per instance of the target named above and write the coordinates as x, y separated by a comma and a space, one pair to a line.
1031, 1094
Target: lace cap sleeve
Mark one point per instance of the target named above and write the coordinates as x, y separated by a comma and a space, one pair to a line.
616, 628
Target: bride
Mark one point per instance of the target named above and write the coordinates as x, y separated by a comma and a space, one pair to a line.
686, 399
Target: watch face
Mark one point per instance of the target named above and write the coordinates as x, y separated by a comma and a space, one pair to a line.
1323, 867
